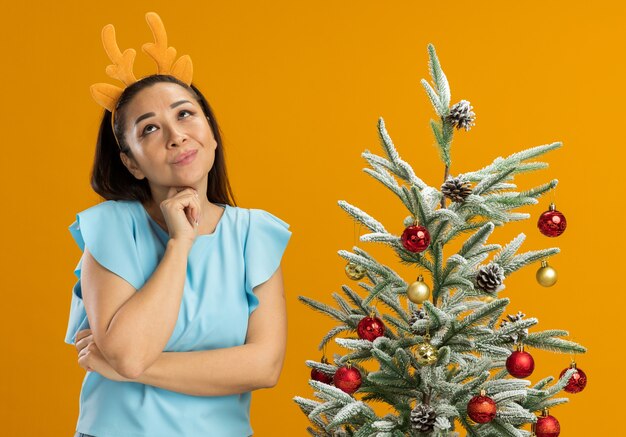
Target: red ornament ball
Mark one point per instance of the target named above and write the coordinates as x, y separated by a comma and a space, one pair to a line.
552, 223
415, 238
481, 409
547, 426
577, 382
520, 364
348, 379
370, 328
318, 375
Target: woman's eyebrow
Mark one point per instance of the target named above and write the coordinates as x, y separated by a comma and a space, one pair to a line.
152, 114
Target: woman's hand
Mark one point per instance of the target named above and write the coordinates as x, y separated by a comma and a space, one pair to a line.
181, 211
91, 359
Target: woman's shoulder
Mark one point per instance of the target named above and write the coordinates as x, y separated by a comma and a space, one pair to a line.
112, 205
109, 214
108, 231
250, 216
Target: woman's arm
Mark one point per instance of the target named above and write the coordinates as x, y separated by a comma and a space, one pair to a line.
131, 327
256, 364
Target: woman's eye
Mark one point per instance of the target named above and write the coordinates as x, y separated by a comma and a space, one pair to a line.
145, 131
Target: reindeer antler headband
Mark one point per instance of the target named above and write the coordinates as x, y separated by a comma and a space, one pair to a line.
108, 95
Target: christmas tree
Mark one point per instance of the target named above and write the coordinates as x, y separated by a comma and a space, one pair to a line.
445, 357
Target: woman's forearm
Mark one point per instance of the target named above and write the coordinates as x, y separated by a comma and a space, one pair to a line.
141, 328
217, 372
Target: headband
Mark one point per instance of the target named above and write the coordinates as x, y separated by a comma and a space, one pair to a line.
108, 95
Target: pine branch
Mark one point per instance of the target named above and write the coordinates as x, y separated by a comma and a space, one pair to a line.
421, 208
541, 384
527, 167
519, 261
372, 266
480, 314
442, 138
392, 185
500, 164
538, 400
504, 429
541, 189
324, 309
505, 255
328, 392
439, 78
362, 217
392, 302
434, 99
504, 397
491, 180
356, 299
467, 227
508, 201
332, 333
322, 367
498, 188
477, 240
402, 169
366, 430
376, 292
437, 316
350, 411
344, 305
401, 327
325, 408
306, 405
555, 345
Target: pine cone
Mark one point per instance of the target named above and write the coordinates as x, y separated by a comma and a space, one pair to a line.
519, 335
423, 418
456, 189
461, 115
490, 277
420, 314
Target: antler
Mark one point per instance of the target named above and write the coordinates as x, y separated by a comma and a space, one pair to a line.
164, 55
122, 69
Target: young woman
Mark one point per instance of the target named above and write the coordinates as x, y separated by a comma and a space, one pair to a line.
178, 312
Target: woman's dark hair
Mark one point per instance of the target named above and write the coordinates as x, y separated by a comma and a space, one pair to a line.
109, 176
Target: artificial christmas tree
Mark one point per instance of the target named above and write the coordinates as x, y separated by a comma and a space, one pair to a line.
441, 365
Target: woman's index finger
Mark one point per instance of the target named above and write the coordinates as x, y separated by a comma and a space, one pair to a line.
82, 334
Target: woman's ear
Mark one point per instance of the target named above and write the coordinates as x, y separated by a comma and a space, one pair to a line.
132, 166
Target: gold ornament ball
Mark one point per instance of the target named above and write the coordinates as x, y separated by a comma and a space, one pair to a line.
355, 271
546, 275
426, 354
418, 291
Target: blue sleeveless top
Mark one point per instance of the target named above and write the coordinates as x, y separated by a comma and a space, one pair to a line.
222, 269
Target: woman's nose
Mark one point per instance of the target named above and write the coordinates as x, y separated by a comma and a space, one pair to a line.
177, 137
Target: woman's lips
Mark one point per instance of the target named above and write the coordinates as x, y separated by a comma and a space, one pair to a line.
187, 159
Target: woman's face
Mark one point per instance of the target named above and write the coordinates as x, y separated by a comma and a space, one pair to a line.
163, 122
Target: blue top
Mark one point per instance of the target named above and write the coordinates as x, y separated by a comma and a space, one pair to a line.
222, 269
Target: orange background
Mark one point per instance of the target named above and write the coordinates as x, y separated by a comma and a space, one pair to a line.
297, 88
